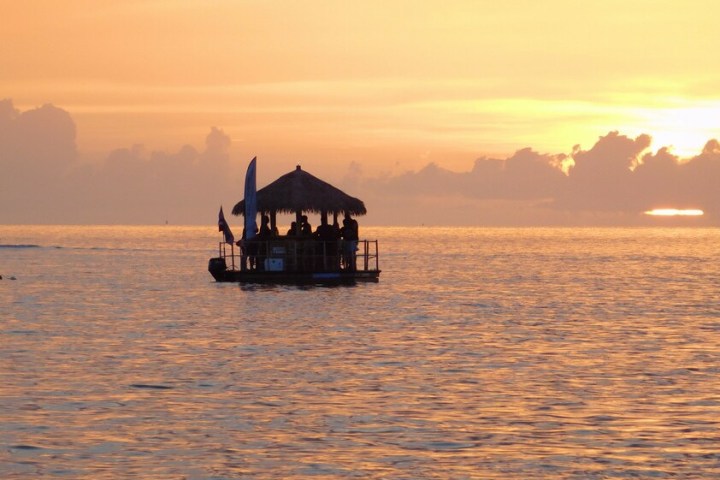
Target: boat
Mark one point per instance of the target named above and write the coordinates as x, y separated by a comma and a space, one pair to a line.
329, 255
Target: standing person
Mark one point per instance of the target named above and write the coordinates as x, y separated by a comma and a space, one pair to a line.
305, 227
249, 249
349, 245
326, 246
325, 232
355, 238
354, 225
263, 237
306, 248
265, 231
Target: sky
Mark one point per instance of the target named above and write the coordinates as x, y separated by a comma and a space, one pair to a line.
436, 112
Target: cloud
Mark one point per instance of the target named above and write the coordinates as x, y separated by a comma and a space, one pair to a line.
602, 178
137, 186
699, 179
614, 181
619, 175
527, 175
37, 149
42, 180
38, 140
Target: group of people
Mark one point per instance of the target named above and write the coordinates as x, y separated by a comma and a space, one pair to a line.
346, 237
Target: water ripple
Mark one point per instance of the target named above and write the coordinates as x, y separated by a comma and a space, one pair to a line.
560, 354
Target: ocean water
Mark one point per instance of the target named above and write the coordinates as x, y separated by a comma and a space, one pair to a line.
480, 354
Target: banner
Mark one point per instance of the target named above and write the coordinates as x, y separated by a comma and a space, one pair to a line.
250, 201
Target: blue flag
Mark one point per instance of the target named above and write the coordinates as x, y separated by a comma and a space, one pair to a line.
225, 228
250, 200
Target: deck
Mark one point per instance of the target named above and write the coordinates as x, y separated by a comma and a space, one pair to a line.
297, 260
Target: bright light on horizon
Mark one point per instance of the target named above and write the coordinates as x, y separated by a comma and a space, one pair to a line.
674, 212
683, 125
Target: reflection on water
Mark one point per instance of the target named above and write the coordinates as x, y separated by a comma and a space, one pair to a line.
482, 353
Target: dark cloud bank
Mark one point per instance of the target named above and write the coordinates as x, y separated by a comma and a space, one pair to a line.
612, 183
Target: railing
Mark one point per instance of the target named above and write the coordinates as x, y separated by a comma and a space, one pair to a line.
301, 255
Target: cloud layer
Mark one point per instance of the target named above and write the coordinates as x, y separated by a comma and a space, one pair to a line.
42, 180
613, 182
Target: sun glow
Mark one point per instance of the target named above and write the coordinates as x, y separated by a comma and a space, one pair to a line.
674, 212
663, 109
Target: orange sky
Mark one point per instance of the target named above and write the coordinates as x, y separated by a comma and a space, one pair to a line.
373, 81
356, 90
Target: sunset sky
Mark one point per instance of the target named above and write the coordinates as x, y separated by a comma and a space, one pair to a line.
380, 88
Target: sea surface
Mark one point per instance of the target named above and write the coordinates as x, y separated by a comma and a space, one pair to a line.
480, 354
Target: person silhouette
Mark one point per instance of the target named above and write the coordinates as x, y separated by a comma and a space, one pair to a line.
305, 227
349, 244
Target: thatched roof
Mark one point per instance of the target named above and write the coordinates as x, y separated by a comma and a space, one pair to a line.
300, 191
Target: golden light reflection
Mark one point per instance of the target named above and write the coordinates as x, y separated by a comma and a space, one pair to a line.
674, 212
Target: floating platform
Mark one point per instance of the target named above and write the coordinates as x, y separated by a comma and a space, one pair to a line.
292, 261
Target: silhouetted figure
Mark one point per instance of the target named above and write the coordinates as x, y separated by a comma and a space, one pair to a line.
325, 232
305, 227
248, 249
306, 247
293, 230
265, 231
349, 243
326, 250
353, 224
263, 237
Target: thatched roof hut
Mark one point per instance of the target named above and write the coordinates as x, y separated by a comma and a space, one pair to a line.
299, 191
